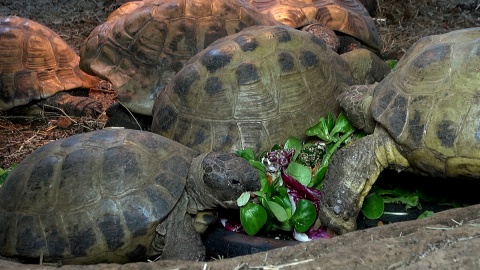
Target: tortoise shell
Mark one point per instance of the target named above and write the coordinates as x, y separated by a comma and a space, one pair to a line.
143, 44
429, 103
251, 90
345, 16
92, 197
35, 63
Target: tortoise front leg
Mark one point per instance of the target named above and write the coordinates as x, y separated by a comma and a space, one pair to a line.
73, 105
350, 176
176, 236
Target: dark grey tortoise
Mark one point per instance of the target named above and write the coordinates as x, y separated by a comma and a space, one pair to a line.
424, 117
115, 196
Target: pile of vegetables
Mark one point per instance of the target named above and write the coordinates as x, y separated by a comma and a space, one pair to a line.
291, 181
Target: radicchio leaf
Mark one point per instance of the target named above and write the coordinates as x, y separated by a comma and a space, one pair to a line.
299, 191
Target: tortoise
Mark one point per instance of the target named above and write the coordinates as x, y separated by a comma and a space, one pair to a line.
348, 18
423, 117
116, 195
251, 90
144, 43
371, 6
36, 64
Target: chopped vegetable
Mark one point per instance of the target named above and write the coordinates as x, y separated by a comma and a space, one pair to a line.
289, 198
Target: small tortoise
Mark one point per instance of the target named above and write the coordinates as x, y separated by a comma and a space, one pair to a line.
36, 64
115, 196
251, 90
144, 43
424, 117
347, 17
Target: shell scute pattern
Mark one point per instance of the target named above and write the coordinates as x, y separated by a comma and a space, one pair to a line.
214, 60
142, 45
247, 74
427, 112
213, 86
35, 63
345, 16
432, 108
308, 59
54, 237
96, 206
112, 234
286, 62
185, 81
246, 43
285, 76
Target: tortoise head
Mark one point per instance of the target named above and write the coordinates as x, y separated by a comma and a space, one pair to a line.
355, 102
218, 179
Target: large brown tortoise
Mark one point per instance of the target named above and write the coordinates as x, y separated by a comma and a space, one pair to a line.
348, 18
424, 117
144, 43
252, 89
116, 196
37, 65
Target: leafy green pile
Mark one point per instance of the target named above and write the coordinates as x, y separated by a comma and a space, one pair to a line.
291, 179
374, 204
4, 173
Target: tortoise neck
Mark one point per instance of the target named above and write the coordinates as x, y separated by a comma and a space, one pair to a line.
199, 197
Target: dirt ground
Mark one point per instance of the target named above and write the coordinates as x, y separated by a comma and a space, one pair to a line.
448, 240
400, 24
